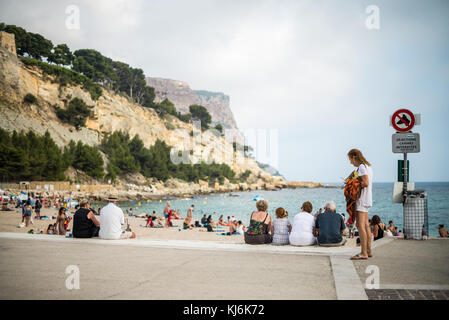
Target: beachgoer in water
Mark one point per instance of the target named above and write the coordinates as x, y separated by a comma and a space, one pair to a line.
281, 227
259, 229
378, 227
111, 221
442, 231
363, 203
303, 225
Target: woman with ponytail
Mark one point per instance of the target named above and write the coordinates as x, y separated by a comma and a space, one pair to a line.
363, 203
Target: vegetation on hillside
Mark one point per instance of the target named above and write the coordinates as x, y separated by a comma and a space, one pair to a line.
128, 155
90, 69
27, 156
76, 113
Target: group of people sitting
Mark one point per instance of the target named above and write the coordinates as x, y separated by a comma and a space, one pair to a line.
154, 220
325, 228
109, 226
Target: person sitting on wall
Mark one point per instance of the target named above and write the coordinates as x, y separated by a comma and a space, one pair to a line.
85, 224
111, 221
330, 227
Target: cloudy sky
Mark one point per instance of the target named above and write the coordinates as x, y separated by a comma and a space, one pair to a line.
311, 70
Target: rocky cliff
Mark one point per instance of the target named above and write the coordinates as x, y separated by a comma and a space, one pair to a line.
180, 93
111, 112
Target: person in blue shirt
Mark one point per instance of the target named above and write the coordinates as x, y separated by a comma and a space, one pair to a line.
330, 227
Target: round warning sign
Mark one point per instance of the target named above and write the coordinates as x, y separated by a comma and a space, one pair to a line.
403, 120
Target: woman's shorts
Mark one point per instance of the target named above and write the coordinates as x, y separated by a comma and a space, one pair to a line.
362, 208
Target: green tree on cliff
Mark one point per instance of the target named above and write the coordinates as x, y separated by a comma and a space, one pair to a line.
76, 113
200, 113
61, 55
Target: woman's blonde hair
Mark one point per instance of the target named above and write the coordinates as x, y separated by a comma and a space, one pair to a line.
262, 205
281, 213
358, 156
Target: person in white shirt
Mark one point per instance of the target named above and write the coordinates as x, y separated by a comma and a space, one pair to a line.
364, 203
111, 221
303, 224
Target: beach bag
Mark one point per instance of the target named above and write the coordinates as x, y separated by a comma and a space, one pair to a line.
209, 228
388, 234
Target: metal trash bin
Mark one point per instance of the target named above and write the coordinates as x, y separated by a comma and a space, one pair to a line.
416, 224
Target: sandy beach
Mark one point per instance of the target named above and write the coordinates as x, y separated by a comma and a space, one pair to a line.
9, 220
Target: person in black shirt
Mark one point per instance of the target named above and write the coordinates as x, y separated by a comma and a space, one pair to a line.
85, 225
204, 220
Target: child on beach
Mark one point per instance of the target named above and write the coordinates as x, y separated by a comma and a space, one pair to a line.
281, 227
50, 229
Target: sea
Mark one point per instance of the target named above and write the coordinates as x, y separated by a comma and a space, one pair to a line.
241, 204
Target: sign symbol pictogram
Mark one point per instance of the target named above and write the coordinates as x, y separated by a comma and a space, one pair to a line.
403, 120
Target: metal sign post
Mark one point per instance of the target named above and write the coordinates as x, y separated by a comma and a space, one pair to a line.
404, 183
414, 202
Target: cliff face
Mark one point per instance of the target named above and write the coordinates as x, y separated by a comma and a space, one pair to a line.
111, 112
180, 93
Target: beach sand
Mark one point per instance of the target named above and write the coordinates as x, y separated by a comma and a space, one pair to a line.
9, 220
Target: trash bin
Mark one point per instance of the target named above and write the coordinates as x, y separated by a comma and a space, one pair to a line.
416, 225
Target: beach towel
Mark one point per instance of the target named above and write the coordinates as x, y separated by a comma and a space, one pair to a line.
353, 190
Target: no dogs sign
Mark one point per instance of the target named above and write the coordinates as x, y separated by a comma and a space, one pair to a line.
403, 120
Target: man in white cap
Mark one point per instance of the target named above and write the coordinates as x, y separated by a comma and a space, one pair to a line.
111, 221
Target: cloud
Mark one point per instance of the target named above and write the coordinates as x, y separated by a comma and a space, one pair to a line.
310, 69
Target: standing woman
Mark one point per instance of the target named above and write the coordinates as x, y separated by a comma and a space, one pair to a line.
363, 203
60, 222
27, 213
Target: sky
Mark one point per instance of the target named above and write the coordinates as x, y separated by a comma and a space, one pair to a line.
313, 71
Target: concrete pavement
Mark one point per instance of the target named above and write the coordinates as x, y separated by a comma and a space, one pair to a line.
34, 267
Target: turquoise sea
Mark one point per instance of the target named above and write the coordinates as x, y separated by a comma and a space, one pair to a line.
243, 204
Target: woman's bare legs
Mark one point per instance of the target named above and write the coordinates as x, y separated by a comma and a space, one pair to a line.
364, 233
369, 236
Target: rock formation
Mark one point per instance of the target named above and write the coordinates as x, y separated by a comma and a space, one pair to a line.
180, 93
